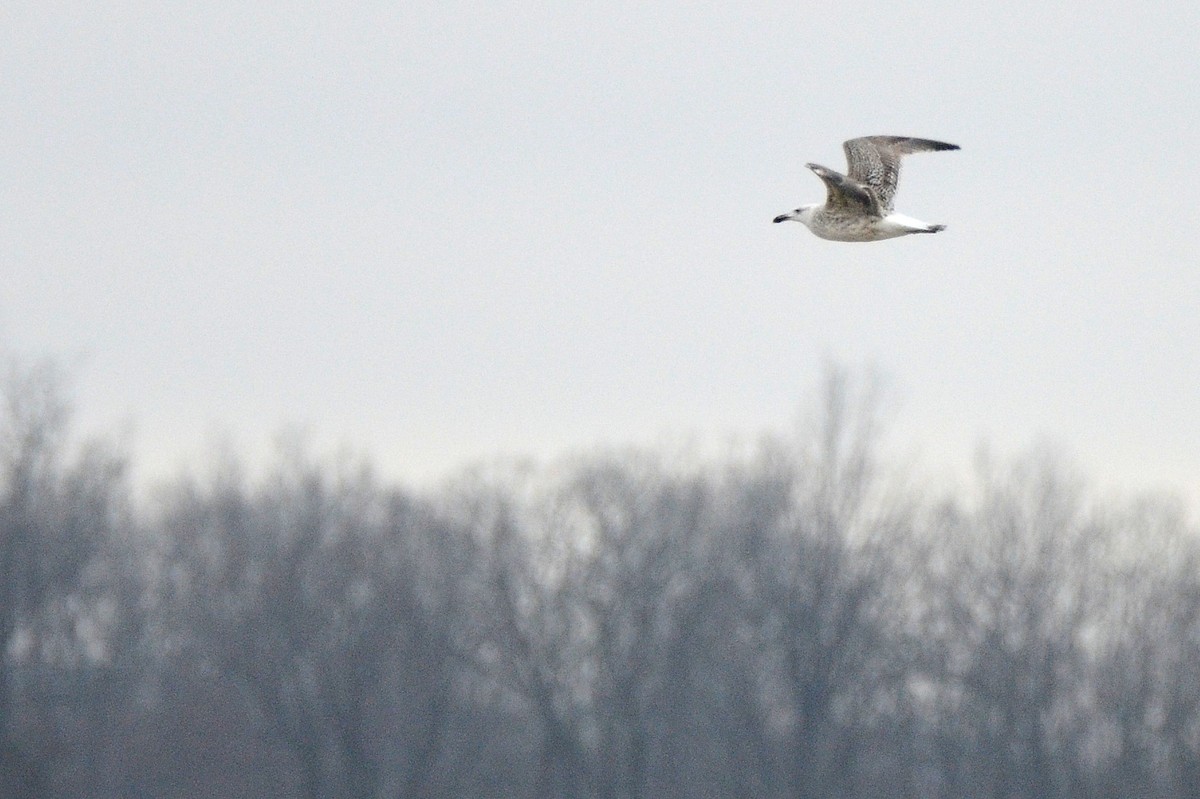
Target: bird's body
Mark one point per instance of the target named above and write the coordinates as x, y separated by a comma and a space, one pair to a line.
858, 205
837, 226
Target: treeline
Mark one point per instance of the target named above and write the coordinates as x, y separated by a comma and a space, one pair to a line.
795, 620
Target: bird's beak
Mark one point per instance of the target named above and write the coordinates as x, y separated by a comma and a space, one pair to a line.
783, 217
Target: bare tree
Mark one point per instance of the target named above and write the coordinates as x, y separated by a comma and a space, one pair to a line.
304, 593
1145, 682
590, 582
631, 601
1019, 574
59, 505
824, 578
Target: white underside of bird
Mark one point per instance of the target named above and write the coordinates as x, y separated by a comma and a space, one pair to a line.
859, 229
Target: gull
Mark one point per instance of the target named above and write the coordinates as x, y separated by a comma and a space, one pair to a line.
858, 205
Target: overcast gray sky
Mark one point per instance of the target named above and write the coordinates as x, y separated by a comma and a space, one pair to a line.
438, 232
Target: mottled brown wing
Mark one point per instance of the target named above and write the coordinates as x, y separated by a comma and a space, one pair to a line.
845, 193
874, 161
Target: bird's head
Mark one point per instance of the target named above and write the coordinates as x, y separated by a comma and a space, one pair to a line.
802, 214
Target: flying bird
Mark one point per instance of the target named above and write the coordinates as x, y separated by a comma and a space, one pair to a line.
858, 205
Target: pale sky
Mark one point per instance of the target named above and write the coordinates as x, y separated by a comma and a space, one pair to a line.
441, 232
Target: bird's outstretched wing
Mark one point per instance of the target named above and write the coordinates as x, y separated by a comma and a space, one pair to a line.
874, 161
845, 193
